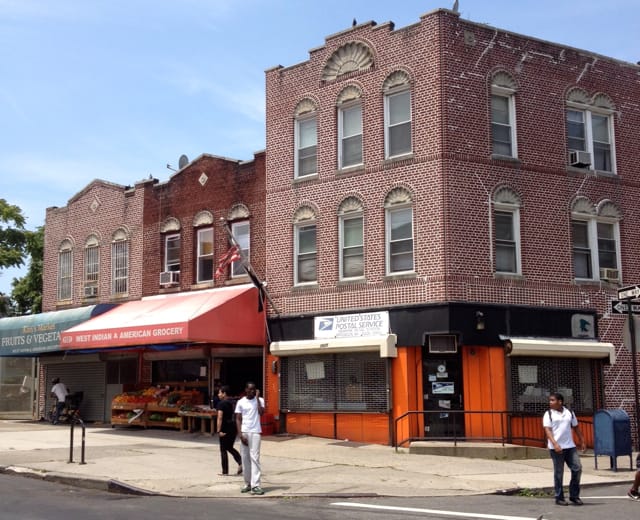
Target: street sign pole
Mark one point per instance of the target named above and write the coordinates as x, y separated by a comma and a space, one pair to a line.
634, 364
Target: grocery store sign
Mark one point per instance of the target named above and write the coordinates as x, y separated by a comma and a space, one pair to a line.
351, 325
125, 336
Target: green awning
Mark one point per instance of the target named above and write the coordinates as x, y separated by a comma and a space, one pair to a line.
40, 333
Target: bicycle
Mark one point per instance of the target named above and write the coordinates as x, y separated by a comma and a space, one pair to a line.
71, 411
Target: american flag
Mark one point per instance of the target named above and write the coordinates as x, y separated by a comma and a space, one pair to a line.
230, 256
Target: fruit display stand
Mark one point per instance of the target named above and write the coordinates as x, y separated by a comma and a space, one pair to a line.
128, 414
152, 407
200, 418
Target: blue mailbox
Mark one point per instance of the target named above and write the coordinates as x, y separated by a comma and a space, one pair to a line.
612, 436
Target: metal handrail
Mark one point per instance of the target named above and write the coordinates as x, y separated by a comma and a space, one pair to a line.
504, 436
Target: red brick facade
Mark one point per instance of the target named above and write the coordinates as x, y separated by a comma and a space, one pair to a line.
452, 175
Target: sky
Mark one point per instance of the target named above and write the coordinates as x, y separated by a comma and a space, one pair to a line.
119, 89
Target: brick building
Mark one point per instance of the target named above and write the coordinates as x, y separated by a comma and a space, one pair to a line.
467, 194
152, 250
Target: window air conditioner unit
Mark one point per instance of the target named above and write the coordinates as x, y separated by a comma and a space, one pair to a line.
579, 159
609, 275
169, 277
90, 291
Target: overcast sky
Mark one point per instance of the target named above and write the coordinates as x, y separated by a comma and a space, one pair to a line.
116, 89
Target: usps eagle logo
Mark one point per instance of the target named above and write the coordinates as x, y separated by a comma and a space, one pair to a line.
325, 324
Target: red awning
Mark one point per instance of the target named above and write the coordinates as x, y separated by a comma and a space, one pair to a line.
229, 315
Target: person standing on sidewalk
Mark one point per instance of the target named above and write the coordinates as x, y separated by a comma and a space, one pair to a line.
227, 431
633, 492
248, 412
558, 423
60, 392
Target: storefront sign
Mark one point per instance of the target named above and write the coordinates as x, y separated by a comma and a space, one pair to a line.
583, 326
352, 325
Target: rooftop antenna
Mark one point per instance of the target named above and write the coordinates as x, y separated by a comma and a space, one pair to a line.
169, 167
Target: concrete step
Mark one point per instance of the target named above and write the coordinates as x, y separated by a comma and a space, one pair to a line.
478, 450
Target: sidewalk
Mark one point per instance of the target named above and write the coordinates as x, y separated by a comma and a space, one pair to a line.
168, 462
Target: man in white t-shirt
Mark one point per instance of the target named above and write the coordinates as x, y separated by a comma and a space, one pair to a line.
60, 392
248, 412
559, 423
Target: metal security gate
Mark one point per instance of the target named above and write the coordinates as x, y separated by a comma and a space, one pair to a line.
87, 377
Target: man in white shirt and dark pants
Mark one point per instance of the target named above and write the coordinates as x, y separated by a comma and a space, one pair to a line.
60, 392
248, 412
558, 423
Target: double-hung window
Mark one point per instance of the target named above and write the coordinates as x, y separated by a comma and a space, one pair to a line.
503, 125
506, 222
306, 146
240, 231
204, 255
120, 264
399, 240
91, 267
306, 254
65, 271
595, 249
350, 135
351, 246
590, 139
172, 253
397, 118
507, 246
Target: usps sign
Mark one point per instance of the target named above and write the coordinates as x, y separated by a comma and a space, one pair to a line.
352, 325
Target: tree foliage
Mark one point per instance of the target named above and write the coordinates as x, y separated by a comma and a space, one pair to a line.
27, 291
12, 235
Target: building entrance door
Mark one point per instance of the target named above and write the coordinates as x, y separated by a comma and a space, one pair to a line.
442, 383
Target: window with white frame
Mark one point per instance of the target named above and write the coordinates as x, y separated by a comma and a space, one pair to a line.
503, 120
65, 270
305, 246
595, 237
590, 131
351, 239
204, 268
397, 115
506, 223
349, 127
91, 266
397, 123
120, 263
306, 143
172, 253
241, 232
399, 232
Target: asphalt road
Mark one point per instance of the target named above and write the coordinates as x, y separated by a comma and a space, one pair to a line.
30, 499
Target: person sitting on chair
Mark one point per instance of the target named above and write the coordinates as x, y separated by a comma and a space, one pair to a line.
60, 392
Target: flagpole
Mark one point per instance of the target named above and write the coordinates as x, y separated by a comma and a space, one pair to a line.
247, 265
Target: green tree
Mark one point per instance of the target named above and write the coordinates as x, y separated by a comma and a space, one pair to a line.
13, 241
12, 235
27, 291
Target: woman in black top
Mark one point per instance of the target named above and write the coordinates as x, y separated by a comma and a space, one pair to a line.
227, 431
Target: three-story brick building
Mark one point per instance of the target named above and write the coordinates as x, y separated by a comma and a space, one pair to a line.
468, 195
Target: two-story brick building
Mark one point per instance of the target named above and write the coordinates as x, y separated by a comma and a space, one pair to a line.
153, 250
468, 195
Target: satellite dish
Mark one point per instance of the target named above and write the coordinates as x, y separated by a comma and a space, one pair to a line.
183, 161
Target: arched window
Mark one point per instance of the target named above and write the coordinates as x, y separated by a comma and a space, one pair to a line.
120, 263
506, 215
91, 266
350, 214
399, 231
397, 114
595, 235
350, 127
306, 139
590, 131
305, 270
503, 115
65, 270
